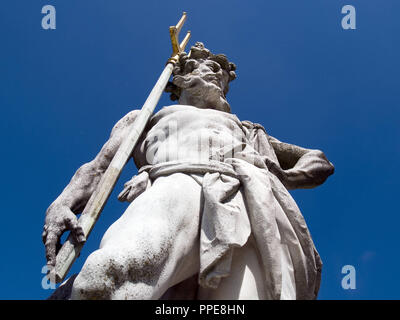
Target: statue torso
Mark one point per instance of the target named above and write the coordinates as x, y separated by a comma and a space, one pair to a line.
187, 133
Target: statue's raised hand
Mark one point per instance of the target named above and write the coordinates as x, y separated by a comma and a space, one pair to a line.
59, 219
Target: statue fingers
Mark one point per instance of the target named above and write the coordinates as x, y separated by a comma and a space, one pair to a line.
51, 246
71, 224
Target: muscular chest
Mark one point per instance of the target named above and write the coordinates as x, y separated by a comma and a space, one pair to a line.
189, 132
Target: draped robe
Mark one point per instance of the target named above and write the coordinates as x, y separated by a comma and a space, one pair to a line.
271, 215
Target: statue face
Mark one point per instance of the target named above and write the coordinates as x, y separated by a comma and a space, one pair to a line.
200, 81
203, 77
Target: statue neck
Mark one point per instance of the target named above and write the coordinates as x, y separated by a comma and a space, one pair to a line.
203, 102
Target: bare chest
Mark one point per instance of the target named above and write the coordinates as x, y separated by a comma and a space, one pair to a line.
188, 133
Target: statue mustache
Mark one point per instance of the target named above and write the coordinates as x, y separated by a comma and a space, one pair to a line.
186, 81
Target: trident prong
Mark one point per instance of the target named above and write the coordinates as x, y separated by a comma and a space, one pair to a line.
177, 47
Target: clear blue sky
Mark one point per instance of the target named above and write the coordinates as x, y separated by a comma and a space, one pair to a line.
308, 81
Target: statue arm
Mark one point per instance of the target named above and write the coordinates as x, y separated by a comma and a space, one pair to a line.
61, 215
299, 167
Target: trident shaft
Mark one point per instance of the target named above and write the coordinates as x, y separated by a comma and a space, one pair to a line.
70, 249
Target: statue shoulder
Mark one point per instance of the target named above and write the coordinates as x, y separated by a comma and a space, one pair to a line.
125, 121
252, 126
260, 139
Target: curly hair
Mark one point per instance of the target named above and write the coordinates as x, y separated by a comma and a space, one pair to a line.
187, 62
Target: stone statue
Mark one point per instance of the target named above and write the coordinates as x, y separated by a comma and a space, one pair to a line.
210, 215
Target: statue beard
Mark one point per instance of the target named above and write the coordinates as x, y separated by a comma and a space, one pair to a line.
201, 93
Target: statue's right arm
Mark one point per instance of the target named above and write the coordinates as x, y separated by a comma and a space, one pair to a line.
61, 215
299, 168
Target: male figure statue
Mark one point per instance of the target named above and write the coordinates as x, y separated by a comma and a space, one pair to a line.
209, 203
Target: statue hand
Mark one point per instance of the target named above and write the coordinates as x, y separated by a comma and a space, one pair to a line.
276, 169
59, 218
134, 187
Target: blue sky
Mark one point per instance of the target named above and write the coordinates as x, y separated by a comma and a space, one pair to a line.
308, 81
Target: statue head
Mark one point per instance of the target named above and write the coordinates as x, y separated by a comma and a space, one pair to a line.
202, 78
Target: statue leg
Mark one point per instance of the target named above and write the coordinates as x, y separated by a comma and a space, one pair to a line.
153, 246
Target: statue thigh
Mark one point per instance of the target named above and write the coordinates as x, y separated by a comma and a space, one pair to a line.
150, 248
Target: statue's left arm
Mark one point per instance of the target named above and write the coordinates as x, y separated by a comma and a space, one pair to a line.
299, 168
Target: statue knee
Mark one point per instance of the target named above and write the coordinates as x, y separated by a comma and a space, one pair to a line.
92, 283
106, 272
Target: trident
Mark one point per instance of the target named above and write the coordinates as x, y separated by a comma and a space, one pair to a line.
70, 249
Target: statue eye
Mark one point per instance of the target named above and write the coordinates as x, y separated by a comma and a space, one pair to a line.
215, 67
190, 66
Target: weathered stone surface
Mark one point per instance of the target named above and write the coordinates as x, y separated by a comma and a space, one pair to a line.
210, 201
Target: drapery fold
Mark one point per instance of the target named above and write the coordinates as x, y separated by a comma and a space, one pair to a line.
270, 214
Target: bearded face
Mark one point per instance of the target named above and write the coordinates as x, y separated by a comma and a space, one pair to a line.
202, 79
